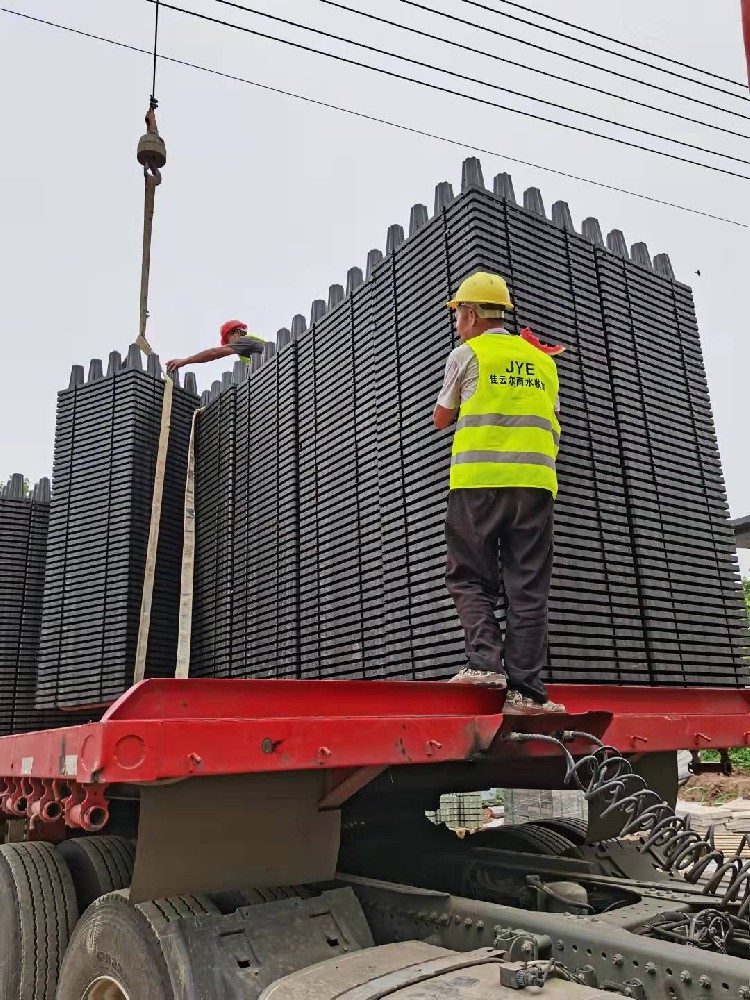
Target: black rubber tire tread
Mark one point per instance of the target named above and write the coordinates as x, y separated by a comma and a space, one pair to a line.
550, 842
274, 893
524, 838
38, 912
117, 940
231, 900
99, 865
161, 912
569, 826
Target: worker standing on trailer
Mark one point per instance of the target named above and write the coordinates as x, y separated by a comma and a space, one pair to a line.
503, 483
234, 340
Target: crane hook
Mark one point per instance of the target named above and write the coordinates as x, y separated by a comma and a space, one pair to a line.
152, 150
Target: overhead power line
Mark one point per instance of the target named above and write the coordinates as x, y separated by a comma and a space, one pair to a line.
468, 79
486, 29
373, 118
505, 61
618, 41
448, 90
661, 69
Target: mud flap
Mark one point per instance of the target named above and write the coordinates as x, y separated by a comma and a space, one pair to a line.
234, 832
240, 955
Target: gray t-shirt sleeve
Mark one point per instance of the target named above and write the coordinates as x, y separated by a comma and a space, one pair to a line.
456, 367
247, 345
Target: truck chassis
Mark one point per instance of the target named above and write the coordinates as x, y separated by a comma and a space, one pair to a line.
281, 826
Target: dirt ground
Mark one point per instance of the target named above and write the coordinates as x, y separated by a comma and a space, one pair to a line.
711, 789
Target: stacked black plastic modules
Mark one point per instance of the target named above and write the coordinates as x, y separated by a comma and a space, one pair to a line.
322, 483
246, 607
105, 456
24, 518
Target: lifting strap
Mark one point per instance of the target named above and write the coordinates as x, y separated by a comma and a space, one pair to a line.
144, 625
152, 156
185, 629
148, 225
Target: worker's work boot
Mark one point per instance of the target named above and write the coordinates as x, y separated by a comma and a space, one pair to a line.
481, 678
520, 704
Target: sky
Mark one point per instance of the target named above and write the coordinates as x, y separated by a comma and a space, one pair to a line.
267, 199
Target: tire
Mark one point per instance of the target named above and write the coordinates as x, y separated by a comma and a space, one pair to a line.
524, 838
38, 912
116, 944
234, 899
550, 842
161, 912
571, 827
98, 865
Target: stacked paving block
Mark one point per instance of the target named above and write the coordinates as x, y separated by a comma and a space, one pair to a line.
24, 519
459, 811
106, 441
527, 805
646, 585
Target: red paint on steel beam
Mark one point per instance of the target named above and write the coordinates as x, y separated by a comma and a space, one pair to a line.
265, 699
256, 699
178, 728
746, 33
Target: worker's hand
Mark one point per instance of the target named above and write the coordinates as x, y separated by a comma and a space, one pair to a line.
174, 364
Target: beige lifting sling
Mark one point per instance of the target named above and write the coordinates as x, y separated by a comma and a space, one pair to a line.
152, 155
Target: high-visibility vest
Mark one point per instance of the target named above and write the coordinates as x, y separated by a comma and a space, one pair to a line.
507, 433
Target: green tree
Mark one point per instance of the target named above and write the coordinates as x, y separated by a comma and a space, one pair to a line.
746, 590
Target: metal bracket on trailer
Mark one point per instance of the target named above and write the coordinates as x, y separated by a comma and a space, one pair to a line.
48, 801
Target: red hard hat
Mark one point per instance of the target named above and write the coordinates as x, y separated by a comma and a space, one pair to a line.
229, 327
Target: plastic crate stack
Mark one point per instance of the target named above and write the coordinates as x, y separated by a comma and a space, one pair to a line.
105, 455
646, 584
595, 616
24, 519
246, 613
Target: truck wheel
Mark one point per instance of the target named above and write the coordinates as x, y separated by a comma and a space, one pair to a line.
37, 914
569, 826
550, 842
98, 865
525, 838
161, 912
115, 954
233, 899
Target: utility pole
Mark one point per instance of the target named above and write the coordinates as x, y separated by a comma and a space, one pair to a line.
746, 32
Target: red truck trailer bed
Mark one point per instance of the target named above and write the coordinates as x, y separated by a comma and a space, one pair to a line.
171, 729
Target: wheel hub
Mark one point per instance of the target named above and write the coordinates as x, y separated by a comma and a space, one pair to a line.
105, 988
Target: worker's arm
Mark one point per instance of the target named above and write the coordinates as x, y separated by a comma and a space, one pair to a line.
449, 400
443, 417
211, 354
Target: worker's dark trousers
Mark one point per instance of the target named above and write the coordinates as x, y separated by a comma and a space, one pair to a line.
515, 523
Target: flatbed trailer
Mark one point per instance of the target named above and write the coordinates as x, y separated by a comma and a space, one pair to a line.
259, 838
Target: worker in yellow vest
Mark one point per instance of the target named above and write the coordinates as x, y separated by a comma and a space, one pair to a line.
502, 391
234, 340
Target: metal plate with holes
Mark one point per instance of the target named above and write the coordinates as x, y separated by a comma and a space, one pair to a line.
612, 954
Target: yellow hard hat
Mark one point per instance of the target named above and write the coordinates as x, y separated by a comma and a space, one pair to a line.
483, 289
